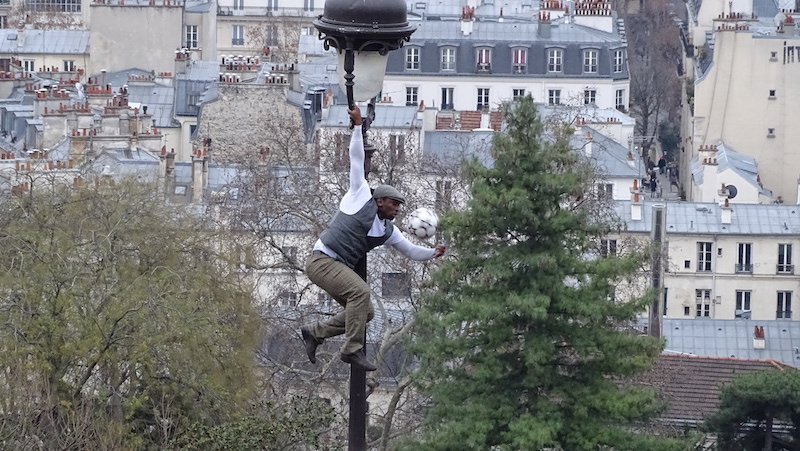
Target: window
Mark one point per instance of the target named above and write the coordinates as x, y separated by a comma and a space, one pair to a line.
448, 60
397, 148
308, 5
444, 195
605, 191
619, 100
771, 93
554, 97
272, 5
483, 98
619, 58
608, 248
412, 58
744, 262
704, 256
50, 6
517, 94
520, 58
395, 285
590, 61
412, 93
238, 35
589, 97
191, 36
770, 133
5, 64
784, 305
238, 5
69, 66
28, 65
287, 299
785, 265
484, 59
686, 310
742, 301
447, 98
271, 35
703, 303
554, 59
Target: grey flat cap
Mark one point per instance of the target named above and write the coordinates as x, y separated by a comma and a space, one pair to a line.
388, 191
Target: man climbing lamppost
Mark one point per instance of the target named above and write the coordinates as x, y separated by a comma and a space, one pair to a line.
363, 222
364, 31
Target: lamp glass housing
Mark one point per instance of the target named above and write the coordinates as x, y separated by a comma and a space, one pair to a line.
369, 70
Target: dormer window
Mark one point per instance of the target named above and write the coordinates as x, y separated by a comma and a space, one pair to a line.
484, 59
520, 61
555, 60
590, 61
448, 58
412, 58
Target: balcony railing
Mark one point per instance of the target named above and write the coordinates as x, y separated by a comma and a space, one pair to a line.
744, 268
783, 314
785, 269
237, 41
484, 67
519, 68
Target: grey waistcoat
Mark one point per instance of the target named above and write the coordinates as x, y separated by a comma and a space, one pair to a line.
347, 234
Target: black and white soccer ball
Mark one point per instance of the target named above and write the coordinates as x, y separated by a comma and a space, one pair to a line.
422, 223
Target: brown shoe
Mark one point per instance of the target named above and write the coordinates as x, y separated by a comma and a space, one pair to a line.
311, 343
357, 360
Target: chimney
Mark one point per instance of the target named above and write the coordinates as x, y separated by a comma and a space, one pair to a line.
587, 147
485, 119
545, 26
726, 212
124, 124
759, 339
467, 20
637, 202
197, 176
72, 121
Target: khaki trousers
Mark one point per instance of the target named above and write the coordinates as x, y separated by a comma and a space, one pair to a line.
351, 292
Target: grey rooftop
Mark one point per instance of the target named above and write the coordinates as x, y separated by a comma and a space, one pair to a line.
696, 218
66, 42
733, 338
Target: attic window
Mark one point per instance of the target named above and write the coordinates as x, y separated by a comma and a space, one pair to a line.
770, 133
773, 56
771, 93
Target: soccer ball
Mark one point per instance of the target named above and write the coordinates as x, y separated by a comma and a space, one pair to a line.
422, 222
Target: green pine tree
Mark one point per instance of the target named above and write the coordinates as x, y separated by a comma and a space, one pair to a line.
751, 407
520, 344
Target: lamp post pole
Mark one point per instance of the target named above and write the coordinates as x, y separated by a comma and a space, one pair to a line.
363, 31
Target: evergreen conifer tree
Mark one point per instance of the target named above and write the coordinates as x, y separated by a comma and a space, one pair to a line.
520, 344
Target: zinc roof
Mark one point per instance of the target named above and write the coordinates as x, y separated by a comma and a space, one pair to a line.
521, 32
733, 338
44, 41
705, 218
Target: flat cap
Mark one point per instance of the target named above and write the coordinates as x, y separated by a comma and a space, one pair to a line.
388, 191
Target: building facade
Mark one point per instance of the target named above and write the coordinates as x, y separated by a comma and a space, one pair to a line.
479, 57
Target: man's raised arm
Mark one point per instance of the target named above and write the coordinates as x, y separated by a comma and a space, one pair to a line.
357, 180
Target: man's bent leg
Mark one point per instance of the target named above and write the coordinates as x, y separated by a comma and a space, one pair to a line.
349, 290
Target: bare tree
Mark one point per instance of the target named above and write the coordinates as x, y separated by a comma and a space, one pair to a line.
655, 55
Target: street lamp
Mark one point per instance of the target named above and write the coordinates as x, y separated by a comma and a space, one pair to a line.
363, 32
